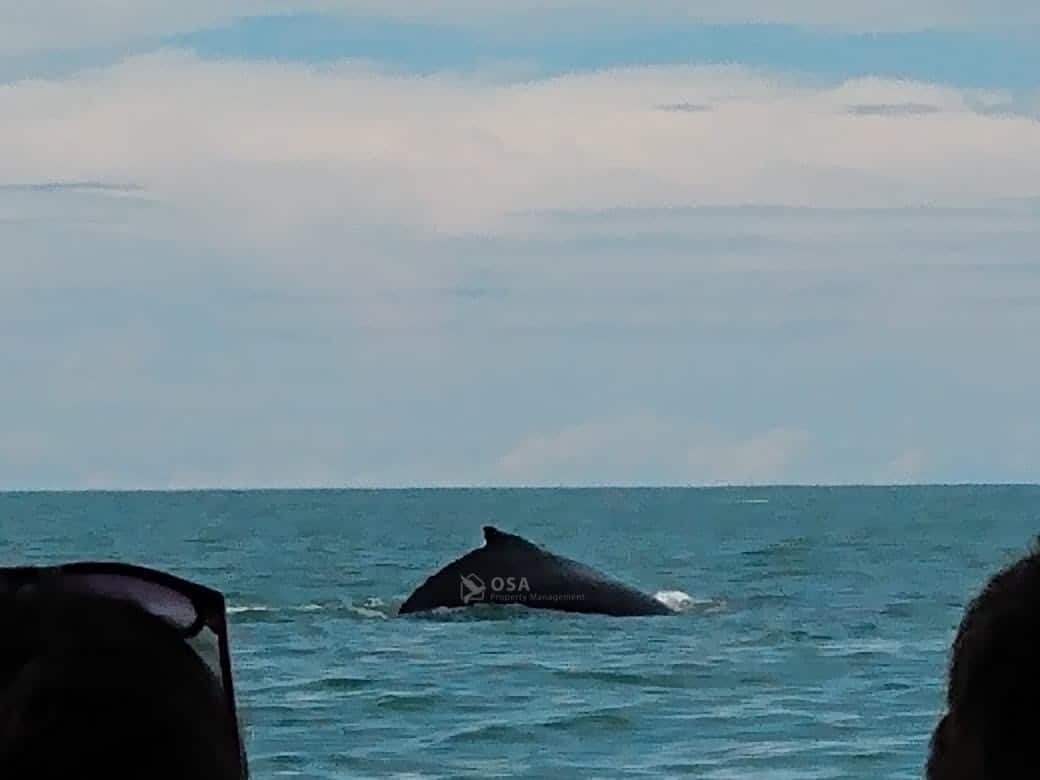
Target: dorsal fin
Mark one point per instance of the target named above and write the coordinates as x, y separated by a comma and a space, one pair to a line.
493, 536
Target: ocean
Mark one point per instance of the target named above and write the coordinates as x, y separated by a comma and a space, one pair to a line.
814, 643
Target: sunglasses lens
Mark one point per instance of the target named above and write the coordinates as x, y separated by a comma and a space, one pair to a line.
207, 645
158, 600
153, 598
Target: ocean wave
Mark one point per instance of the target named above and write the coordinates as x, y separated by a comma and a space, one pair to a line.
410, 702
596, 721
667, 678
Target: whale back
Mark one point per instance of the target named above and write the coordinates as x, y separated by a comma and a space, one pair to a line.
509, 569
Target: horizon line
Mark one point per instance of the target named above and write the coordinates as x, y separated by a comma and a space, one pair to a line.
530, 487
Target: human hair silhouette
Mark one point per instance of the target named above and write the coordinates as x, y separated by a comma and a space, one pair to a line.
94, 686
992, 720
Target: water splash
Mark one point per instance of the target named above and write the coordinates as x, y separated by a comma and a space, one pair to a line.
680, 601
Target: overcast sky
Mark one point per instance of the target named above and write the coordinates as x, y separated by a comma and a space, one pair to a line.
479, 243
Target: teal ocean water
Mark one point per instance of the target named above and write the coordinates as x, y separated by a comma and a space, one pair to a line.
814, 645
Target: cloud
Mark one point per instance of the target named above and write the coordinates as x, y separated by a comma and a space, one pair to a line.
76, 24
893, 109
70, 186
909, 466
684, 108
408, 198
231, 273
645, 449
763, 458
73, 24
626, 445
855, 14
460, 154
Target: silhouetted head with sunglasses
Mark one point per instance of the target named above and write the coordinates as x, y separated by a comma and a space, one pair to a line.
992, 722
92, 685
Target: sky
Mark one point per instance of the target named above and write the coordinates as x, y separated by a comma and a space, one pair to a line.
349, 243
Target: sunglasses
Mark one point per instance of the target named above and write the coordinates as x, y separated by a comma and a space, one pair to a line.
195, 611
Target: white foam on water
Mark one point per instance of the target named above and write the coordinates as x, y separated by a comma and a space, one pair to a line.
677, 600
368, 612
247, 608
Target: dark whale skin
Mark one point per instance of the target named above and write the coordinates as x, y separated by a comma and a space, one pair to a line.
507, 563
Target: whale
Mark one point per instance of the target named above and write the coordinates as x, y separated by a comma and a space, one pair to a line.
509, 569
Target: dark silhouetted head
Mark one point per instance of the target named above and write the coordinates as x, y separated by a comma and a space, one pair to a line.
94, 687
992, 722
